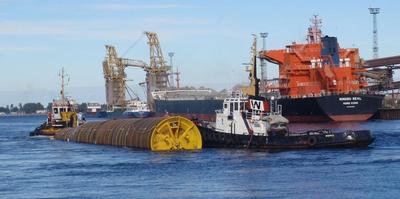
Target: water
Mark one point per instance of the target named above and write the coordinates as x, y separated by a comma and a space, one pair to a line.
43, 168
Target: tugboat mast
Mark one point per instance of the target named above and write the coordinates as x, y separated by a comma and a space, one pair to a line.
253, 88
62, 85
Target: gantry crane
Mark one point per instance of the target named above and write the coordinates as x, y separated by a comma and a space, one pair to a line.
156, 73
115, 77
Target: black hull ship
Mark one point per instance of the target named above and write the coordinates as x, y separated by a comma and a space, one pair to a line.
337, 108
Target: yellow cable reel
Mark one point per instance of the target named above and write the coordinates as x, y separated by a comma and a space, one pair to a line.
175, 133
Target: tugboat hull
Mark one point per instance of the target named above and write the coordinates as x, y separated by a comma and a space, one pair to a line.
137, 114
276, 140
44, 130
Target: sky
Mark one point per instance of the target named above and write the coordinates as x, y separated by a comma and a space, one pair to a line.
211, 39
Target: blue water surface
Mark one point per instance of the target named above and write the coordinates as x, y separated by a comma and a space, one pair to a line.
44, 168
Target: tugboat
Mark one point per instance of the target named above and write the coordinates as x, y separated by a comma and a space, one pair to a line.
253, 122
62, 115
248, 120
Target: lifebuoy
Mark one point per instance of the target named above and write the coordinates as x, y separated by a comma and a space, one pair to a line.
312, 140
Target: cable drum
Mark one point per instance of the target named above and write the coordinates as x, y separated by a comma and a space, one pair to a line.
156, 134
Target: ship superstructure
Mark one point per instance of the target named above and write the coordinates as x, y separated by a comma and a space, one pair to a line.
317, 68
320, 81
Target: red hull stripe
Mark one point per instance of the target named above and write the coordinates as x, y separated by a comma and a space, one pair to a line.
347, 118
336, 118
308, 118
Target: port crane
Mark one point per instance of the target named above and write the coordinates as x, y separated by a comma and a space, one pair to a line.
115, 76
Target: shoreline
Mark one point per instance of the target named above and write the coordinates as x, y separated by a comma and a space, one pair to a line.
23, 114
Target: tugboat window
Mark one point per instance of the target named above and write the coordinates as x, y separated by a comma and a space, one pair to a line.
241, 105
225, 106
231, 107
55, 110
236, 106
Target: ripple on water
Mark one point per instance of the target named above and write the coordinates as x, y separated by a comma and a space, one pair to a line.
44, 168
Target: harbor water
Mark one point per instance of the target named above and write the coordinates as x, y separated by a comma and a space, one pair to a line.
44, 168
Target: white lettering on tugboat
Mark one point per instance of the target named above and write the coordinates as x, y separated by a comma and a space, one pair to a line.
350, 102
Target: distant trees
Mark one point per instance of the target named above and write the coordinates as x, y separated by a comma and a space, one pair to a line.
26, 108
4, 110
49, 107
32, 107
13, 108
82, 107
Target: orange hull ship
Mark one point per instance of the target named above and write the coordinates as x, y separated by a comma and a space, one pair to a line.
319, 81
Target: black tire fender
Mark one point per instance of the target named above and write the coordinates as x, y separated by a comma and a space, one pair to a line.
312, 140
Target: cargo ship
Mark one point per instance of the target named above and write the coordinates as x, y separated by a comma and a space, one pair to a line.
318, 82
93, 109
336, 107
191, 103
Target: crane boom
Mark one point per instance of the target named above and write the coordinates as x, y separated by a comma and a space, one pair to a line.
158, 76
115, 77
157, 73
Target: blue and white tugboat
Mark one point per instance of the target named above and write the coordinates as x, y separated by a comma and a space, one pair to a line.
137, 109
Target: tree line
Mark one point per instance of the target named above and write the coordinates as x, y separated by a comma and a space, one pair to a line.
30, 108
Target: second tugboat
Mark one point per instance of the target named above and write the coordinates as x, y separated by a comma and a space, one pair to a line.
62, 115
250, 121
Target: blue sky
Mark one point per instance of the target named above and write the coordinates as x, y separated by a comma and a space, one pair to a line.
211, 39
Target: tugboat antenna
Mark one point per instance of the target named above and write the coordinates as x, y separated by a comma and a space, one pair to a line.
62, 84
